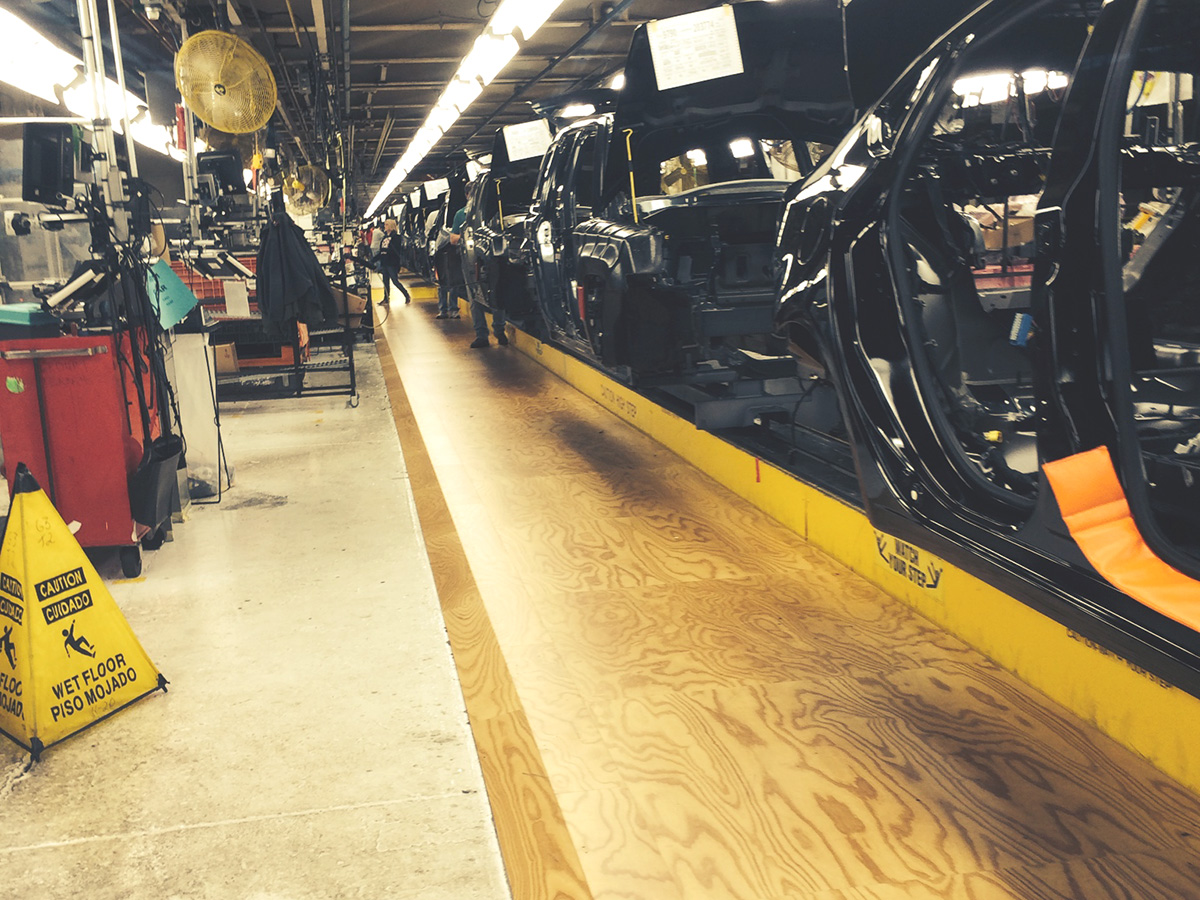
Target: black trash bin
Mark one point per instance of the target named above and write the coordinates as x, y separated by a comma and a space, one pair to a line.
152, 484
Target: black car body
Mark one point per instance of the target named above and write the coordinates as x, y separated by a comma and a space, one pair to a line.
971, 339
652, 231
494, 265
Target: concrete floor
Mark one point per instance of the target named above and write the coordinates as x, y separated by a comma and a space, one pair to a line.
313, 743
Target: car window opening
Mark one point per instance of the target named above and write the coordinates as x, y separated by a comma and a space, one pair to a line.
966, 211
1159, 209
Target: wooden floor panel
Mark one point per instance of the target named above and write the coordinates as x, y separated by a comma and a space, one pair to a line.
722, 712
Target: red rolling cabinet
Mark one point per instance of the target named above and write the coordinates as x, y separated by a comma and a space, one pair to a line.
69, 410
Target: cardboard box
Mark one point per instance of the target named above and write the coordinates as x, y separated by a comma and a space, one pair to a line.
227, 359
1020, 231
286, 356
358, 306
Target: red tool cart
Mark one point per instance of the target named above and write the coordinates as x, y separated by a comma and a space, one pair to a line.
70, 410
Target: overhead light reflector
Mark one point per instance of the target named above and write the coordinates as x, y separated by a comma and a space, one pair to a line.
491, 52
577, 110
31, 63
527, 16
488, 57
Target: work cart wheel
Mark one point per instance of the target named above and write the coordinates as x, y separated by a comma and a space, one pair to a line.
155, 539
131, 561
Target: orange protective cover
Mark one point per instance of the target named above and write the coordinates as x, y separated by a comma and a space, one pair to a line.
1097, 514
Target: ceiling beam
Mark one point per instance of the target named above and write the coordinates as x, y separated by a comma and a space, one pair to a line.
454, 26
376, 88
322, 30
440, 60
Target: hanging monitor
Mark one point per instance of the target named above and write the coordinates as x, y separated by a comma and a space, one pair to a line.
54, 158
224, 171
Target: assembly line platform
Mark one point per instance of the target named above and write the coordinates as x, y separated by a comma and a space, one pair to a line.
676, 696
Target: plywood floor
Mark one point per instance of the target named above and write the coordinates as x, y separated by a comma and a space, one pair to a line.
720, 710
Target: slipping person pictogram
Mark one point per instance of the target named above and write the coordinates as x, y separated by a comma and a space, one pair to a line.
10, 649
80, 645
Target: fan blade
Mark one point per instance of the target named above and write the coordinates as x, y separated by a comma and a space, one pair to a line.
233, 48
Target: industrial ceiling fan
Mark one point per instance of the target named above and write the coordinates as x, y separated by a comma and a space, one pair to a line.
308, 191
225, 82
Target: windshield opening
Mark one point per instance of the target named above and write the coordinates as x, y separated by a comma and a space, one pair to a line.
741, 158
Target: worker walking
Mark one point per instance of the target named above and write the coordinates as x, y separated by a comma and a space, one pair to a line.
385, 249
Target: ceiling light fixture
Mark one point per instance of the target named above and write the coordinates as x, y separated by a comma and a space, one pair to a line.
578, 110
526, 16
742, 148
488, 57
31, 63
491, 52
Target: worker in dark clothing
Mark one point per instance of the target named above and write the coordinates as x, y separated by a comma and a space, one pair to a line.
478, 316
448, 261
387, 253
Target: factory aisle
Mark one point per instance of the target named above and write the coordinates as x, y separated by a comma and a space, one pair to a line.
313, 743
703, 707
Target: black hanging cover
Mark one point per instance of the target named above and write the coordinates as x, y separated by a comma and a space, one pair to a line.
291, 285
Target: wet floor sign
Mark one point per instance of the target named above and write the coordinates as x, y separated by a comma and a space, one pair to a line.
68, 658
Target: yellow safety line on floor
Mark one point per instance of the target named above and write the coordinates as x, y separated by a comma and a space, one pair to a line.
539, 856
1140, 711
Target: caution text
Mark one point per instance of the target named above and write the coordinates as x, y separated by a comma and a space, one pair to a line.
67, 606
59, 583
905, 560
11, 586
11, 610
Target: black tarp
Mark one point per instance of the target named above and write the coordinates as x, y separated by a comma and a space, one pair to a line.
291, 285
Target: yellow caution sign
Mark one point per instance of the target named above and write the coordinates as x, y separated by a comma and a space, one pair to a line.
68, 658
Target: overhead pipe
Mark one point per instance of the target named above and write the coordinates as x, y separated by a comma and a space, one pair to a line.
287, 82
292, 15
346, 53
439, 86
119, 63
456, 26
93, 63
189, 164
322, 30
384, 134
445, 60
347, 149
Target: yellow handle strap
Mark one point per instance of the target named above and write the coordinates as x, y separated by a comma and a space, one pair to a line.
629, 159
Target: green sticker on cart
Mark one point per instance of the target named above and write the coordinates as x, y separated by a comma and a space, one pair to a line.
15, 385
